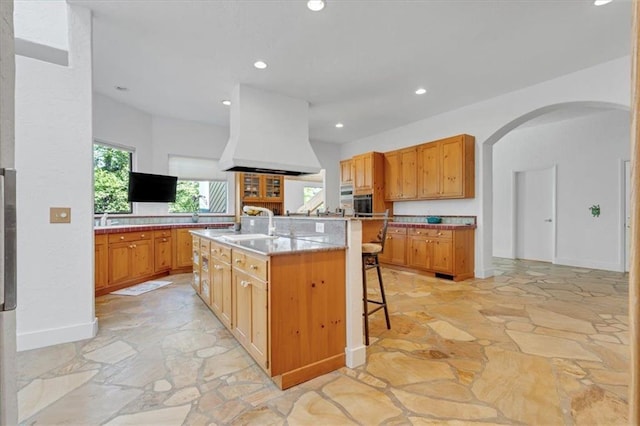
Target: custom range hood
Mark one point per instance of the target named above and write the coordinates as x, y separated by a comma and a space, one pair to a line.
269, 133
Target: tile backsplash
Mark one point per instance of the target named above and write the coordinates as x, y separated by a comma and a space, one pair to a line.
161, 220
457, 220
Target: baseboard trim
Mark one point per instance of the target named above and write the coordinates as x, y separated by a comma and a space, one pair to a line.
590, 264
56, 336
356, 357
484, 273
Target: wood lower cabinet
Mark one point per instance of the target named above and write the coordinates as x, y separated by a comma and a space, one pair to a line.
101, 262
195, 258
448, 252
205, 274
288, 311
221, 295
130, 257
395, 246
250, 315
162, 246
182, 255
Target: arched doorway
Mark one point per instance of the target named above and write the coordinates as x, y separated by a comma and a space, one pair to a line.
568, 109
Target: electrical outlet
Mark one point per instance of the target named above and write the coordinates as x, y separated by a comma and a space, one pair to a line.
60, 215
319, 227
252, 222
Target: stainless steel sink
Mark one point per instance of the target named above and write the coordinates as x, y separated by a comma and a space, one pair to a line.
245, 237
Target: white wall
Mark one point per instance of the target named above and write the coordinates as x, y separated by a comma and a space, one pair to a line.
588, 153
54, 163
608, 82
294, 193
329, 156
41, 22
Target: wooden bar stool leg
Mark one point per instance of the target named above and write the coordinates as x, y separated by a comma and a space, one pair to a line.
365, 312
384, 297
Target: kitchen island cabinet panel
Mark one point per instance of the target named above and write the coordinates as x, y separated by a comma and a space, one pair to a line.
287, 310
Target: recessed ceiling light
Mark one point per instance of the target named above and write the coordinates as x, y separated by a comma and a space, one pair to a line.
260, 65
601, 2
121, 88
339, 125
226, 102
315, 5
421, 91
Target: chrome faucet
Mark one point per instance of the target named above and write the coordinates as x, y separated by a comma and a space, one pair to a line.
272, 229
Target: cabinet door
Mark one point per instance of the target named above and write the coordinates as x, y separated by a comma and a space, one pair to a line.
142, 258
273, 186
250, 323
183, 256
205, 278
250, 187
428, 171
363, 173
397, 248
119, 262
392, 175
101, 264
419, 255
162, 254
346, 172
452, 164
408, 173
221, 291
442, 255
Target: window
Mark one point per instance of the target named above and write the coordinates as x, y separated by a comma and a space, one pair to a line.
202, 187
111, 167
310, 192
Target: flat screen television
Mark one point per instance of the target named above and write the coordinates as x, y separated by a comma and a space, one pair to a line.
148, 188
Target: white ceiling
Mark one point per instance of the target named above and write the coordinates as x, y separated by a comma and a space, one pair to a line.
356, 62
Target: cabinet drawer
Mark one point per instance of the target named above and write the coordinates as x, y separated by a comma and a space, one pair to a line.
396, 231
166, 233
250, 264
221, 252
434, 233
205, 245
129, 236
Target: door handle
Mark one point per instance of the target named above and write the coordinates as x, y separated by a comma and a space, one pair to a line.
10, 282
548, 220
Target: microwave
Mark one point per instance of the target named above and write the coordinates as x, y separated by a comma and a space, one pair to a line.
362, 204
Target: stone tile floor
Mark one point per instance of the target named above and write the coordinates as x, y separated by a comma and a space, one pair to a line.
536, 344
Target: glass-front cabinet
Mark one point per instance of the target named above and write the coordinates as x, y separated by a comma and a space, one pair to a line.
251, 186
262, 191
273, 187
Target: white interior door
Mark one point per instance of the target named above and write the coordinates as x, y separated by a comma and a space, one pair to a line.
627, 214
534, 215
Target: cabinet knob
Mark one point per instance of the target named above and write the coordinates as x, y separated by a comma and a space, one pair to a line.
142, 236
439, 233
238, 260
164, 240
244, 283
122, 237
134, 246
217, 267
253, 267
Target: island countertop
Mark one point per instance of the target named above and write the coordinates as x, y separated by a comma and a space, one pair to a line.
280, 245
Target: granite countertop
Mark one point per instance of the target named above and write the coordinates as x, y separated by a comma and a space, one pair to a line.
445, 226
113, 229
271, 246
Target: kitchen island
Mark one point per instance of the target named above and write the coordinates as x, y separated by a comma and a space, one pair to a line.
282, 298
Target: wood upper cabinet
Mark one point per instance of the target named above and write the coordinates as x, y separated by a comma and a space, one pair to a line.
346, 171
261, 188
400, 170
363, 173
101, 262
446, 168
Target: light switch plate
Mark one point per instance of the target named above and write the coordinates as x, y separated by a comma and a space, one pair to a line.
60, 215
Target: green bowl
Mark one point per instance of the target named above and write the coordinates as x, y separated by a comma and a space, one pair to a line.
434, 219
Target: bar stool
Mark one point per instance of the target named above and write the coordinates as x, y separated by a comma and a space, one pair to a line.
370, 252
